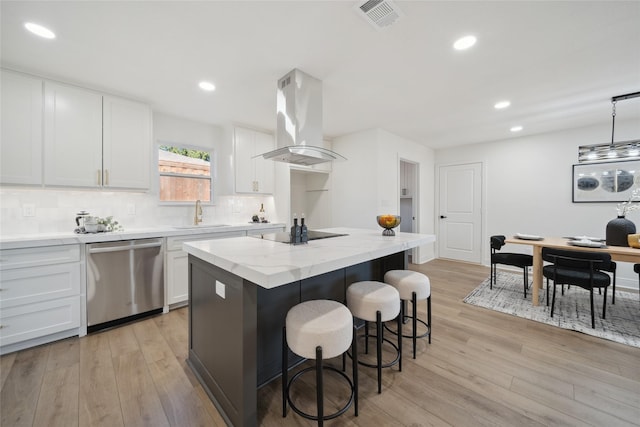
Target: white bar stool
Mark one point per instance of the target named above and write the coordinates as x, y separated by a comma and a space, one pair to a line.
412, 286
319, 329
376, 302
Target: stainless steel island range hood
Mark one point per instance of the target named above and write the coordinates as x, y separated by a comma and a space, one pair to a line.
299, 122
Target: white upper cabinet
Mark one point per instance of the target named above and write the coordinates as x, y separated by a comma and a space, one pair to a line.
126, 144
93, 140
21, 143
73, 136
253, 174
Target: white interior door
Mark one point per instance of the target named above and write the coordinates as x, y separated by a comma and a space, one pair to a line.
460, 218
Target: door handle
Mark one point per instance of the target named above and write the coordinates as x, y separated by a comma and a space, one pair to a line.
442, 217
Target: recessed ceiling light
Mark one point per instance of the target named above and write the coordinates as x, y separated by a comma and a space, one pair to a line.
208, 86
502, 104
39, 30
464, 42
516, 128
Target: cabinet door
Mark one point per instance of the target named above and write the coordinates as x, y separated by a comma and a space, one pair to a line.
265, 169
126, 143
245, 166
34, 321
177, 277
253, 174
21, 143
72, 136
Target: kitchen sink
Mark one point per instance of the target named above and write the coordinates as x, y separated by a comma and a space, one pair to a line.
182, 227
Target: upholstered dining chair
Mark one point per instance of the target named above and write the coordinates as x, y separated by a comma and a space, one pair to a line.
580, 268
523, 261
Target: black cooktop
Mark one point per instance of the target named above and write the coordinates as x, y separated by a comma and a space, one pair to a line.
284, 237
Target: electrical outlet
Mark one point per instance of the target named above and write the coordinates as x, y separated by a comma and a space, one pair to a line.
29, 209
131, 209
221, 289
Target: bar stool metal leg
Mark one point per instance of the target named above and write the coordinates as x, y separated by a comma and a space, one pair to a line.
354, 367
319, 386
414, 307
400, 320
429, 316
379, 348
285, 370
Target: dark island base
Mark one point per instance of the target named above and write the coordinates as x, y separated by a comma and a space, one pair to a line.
235, 334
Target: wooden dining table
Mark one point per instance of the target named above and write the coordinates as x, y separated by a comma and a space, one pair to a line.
618, 253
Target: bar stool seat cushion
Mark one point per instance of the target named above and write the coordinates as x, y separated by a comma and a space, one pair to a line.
323, 323
407, 282
365, 298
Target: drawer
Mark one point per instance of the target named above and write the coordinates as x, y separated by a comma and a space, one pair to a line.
44, 255
258, 231
29, 285
38, 320
175, 243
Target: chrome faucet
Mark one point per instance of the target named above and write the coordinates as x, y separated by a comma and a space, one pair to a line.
198, 216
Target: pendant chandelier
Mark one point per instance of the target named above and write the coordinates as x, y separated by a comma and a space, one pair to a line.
622, 150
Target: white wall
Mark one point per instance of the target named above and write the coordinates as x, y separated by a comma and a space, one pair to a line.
367, 184
57, 208
528, 181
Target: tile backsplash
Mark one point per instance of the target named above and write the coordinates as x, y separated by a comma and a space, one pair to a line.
54, 211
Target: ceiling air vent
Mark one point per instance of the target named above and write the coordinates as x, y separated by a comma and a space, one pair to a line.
379, 13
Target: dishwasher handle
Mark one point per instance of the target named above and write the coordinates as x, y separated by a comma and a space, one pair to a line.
124, 248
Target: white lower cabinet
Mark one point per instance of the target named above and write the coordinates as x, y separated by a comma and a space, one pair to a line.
176, 265
40, 298
177, 268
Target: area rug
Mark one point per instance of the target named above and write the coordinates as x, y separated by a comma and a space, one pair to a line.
572, 309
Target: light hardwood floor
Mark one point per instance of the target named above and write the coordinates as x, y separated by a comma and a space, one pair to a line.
482, 368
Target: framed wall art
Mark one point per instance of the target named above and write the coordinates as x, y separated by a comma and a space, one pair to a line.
605, 182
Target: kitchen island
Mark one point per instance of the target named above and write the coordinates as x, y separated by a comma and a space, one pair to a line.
240, 290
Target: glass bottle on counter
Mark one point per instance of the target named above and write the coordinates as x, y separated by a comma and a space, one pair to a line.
304, 238
295, 231
262, 215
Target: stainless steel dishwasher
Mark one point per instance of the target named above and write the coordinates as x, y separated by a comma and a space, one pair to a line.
125, 281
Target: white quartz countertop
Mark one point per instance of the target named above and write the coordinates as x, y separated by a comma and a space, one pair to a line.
70, 238
270, 264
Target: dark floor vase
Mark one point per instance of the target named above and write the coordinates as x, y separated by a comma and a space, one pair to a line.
617, 231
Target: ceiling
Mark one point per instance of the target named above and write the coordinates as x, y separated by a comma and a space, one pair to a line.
559, 63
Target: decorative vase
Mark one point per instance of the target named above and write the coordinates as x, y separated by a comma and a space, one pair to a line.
617, 231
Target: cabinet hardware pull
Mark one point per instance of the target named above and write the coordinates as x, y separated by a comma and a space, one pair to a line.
106, 177
99, 176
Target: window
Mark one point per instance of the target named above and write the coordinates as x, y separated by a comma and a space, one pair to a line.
185, 174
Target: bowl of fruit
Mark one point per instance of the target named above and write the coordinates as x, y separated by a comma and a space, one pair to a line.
388, 222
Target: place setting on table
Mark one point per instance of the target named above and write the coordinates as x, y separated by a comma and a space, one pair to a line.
581, 241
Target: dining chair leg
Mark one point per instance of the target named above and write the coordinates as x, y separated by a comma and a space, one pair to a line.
593, 318
553, 301
547, 292
492, 277
525, 282
613, 297
604, 302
